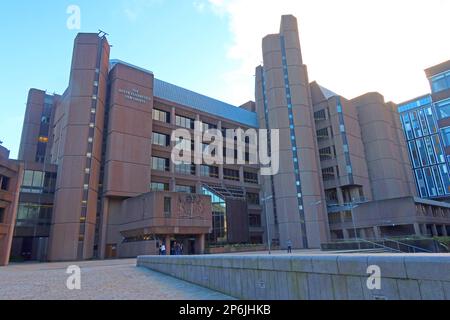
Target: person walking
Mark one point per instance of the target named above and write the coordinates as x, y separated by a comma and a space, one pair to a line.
289, 246
163, 249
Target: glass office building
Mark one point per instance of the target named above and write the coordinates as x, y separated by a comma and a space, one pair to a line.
426, 145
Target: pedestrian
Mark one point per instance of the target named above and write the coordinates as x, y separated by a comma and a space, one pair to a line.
181, 249
289, 246
163, 249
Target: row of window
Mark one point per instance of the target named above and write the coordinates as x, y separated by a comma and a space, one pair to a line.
426, 151
419, 123
38, 182
29, 211
433, 181
163, 164
180, 121
440, 82
443, 109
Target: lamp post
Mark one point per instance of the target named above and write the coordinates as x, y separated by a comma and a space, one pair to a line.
269, 245
353, 206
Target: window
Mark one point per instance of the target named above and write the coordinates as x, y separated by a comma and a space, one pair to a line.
328, 174
209, 171
322, 133
430, 182
430, 150
255, 220
38, 182
445, 177
422, 152
184, 122
185, 168
43, 139
414, 154
184, 144
421, 184
253, 198
415, 124
230, 174
438, 149
325, 154
4, 183
407, 126
423, 122
320, 115
167, 206
160, 115
159, 186
440, 82
184, 189
430, 120
437, 178
160, 139
2, 215
251, 177
160, 164
446, 136
208, 126
443, 109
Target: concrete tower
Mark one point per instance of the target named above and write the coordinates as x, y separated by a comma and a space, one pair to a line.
294, 197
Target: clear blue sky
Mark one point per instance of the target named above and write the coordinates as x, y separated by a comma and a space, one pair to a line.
170, 37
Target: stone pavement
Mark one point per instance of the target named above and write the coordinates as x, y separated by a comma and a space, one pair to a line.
100, 280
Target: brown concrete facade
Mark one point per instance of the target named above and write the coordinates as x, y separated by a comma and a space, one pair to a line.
101, 141
11, 173
150, 217
282, 93
80, 128
351, 153
108, 138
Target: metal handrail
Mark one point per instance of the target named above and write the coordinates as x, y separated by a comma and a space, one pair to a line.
414, 248
374, 244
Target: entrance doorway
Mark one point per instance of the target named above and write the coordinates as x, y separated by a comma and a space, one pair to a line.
185, 244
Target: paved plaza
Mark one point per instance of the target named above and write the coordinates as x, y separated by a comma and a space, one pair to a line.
100, 280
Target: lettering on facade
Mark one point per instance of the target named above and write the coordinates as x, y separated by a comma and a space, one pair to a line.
134, 95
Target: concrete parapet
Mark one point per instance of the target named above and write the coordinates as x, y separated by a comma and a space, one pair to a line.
312, 277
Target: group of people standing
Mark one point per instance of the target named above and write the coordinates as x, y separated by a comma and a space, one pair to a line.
175, 250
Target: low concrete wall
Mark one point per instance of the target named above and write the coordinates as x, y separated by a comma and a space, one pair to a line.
312, 277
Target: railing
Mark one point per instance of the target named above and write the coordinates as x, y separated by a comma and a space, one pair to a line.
390, 245
410, 248
379, 246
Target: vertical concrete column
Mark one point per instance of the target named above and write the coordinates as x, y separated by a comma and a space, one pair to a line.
173, 115
423, 227
377, 232
346, 235
172, 185
198, 187
167, 243
434, 230
444, 230
417, 229
200, 244
241, 174
340, 196
362, 233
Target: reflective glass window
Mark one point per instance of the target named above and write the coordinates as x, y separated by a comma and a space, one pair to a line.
422, 152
